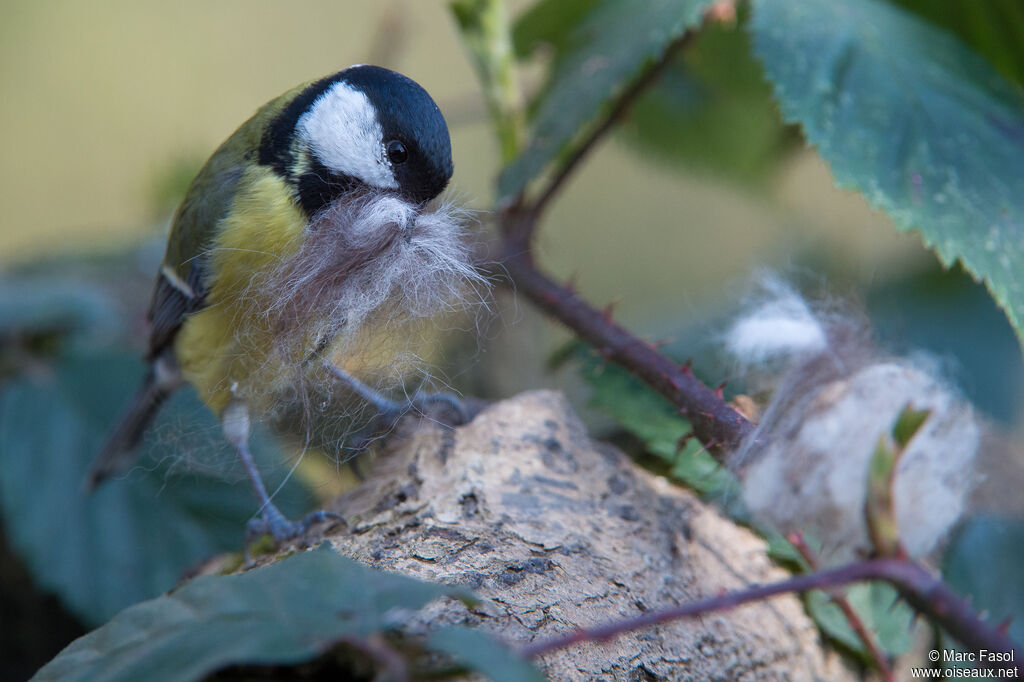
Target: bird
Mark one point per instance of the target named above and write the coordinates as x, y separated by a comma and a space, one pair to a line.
302, 267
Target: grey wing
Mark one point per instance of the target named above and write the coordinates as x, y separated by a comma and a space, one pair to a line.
180, 285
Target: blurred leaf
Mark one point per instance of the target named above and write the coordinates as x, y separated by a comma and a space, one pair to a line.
35, 304
485, 31
902, 111
993, 28
610, 48
880, 609
482, 653
654, 420
984, 562
944, 312
283, 613
908, 423
548, 22
713, 109
131, 539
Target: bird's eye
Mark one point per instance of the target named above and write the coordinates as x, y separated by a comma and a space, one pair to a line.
397, 152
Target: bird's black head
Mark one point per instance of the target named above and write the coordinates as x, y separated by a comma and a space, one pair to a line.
364, 128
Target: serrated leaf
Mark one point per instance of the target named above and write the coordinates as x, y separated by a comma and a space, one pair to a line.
283, 613
983, 562
610, 48
131, 539
482, 653
919, 123
879, 608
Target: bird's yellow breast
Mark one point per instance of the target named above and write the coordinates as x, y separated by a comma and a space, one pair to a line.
232, 348
226, 345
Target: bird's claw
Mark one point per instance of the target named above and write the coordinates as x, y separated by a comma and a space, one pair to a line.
273, 523
422, 402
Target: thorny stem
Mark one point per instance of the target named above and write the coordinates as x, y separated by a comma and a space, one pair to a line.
719, 427
916, 584
851, 615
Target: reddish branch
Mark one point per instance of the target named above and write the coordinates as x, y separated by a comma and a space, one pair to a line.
719, 427
716, 424
851, 615
916, 584
616, 112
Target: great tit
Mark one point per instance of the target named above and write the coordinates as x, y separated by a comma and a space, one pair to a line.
302, 266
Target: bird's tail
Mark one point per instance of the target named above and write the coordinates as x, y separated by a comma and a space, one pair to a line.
119, 449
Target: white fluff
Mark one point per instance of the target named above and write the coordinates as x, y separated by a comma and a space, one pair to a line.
813, 474
368, 258
780, 326
833, 396
367, 283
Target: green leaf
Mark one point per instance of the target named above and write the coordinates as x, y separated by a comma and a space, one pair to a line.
49, 303
984, 562
652, 419
283, 613
131, 539
993, 28
548, 22
712, 110
944, 313
484, 654
908, 423
908, 115
879, 608
610, 48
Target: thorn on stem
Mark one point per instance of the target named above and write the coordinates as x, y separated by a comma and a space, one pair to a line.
607, 311
722, 12
572, 283
682, 441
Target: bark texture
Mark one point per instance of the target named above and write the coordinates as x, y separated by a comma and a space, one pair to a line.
554, 531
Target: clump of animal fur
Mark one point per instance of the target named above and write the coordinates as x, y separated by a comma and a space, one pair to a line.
833, 396
364, 290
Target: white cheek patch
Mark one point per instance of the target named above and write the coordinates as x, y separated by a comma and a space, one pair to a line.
342, 130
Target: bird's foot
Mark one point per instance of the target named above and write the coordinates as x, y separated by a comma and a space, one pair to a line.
273, 523
445, 408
